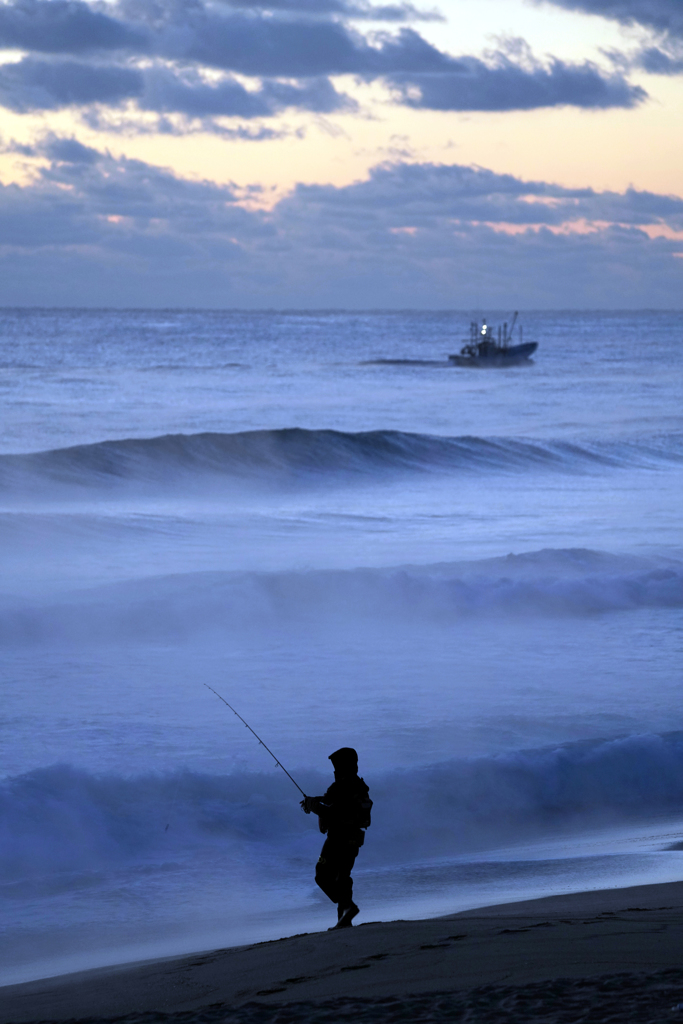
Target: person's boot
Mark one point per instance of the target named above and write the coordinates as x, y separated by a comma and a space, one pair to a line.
345, 917
340, 911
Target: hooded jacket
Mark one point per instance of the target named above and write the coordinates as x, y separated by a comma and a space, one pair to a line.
345, 808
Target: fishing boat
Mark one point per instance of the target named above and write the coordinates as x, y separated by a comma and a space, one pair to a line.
484, 349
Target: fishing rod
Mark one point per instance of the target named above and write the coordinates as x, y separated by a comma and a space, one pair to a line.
278, 763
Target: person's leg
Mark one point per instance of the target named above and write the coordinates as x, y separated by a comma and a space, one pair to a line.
333, 870
348, 851
333, 875
326, 871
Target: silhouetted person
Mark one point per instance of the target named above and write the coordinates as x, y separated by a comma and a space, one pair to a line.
343, 813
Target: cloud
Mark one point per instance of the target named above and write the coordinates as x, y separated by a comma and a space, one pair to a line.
169, 91
425, 196
155, 57
502, 84
661, 19
65, 26
264, 46
658, 61
69, 151
125, 123
664, 16
356, 11
48, 84
420, 74
37, 84
94, 230
74, 27
84, 195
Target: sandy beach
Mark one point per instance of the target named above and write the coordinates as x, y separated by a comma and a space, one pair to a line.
596, 956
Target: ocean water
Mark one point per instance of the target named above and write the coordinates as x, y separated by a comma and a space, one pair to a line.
475, 577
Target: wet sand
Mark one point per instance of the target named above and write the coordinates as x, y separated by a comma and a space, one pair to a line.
607, 955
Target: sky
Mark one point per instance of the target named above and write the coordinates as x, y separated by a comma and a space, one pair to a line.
341, 153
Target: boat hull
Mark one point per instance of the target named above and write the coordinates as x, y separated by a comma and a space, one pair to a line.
511, 356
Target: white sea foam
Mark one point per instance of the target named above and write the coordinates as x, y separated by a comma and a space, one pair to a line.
60, 821
544, 583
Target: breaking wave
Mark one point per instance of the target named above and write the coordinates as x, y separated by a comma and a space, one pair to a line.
574, 582
61, 819
288, 455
